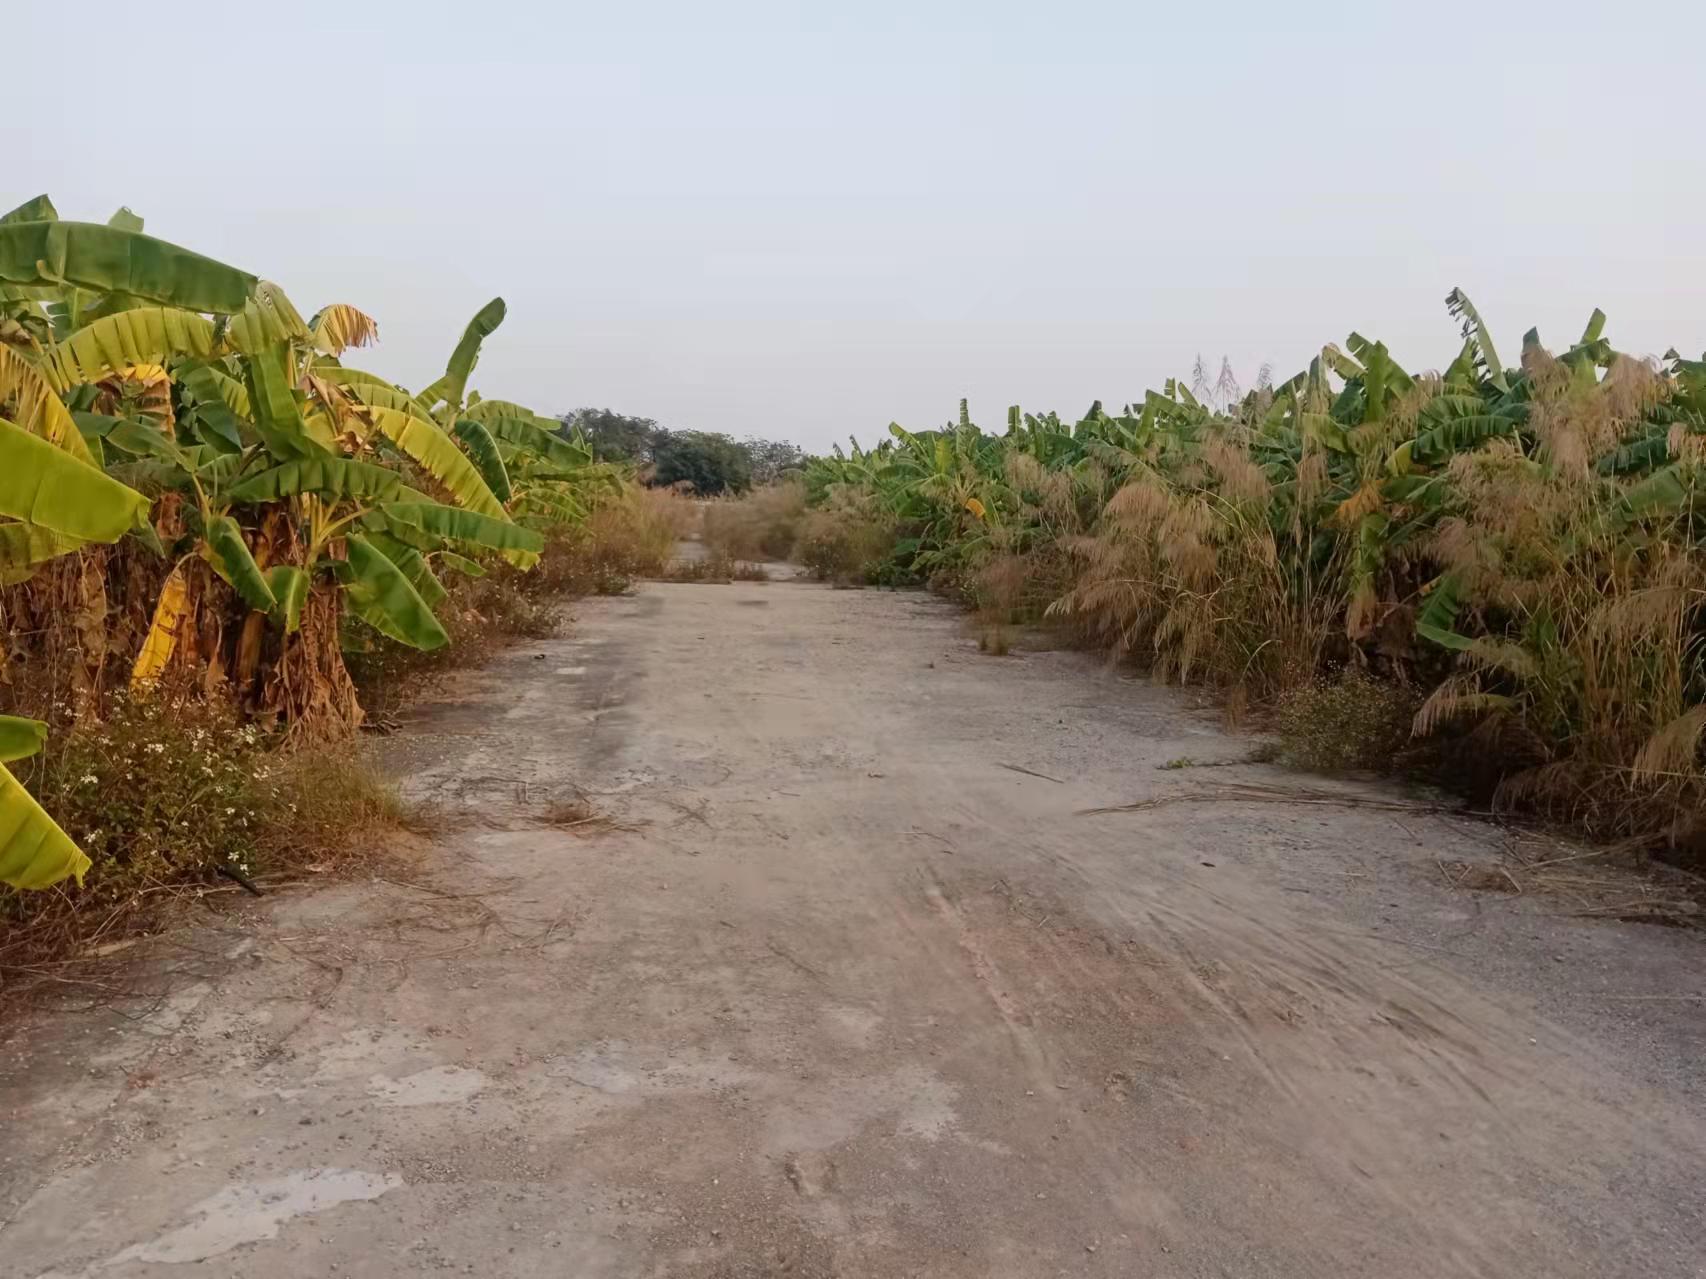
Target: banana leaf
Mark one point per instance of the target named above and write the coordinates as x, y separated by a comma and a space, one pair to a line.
20, 738
331, 477
113, 260
289, 587
456, 525
484, 450
34, 852
36, 405
47, 487
277, 415
238, 565
437, 454
526, 435
414, 567
378, 592
453, 386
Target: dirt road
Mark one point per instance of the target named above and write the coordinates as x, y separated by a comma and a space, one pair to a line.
855, 986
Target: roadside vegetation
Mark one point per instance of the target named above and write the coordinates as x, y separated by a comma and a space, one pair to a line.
1493, 573
223, 542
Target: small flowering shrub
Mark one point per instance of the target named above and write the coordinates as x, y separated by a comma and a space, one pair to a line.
168, 788
163, 787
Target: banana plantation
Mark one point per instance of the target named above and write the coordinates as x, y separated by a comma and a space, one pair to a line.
200, 489
1522, 547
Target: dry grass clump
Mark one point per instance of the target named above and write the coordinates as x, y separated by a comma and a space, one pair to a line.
848, 540
1345, 723
716, 567
763, 524
1191, 575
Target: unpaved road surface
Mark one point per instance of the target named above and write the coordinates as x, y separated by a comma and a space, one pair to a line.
847, 991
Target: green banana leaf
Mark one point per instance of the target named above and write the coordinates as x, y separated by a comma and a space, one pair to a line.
461, 563
47, 487
414, 567
526, 435
277, 415
238, 565
378, 592
87, 255
484, 450
39, 209
1438, 617
215, 407
1664, 492
453, 386
456, 525
20, 738
1475, 330
289, 587
26, 545
331, 477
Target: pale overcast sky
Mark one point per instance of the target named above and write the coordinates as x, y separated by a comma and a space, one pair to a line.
801, 221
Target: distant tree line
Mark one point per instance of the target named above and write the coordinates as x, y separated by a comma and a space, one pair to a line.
712, 463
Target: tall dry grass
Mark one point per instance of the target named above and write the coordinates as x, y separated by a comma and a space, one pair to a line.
761, 524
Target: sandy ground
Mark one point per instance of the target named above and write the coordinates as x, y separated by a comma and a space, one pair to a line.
849, 991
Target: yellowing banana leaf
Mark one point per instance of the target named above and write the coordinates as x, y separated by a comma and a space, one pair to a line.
236, 564
338, 327
380, 395
437, 454
378, 593
36, 405
266, 319
171, 614
489, 411
34, 852
484, 450
144, 335
111, 259
46, 486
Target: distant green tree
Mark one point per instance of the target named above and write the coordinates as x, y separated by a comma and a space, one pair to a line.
711, 463
771, 458
616, 437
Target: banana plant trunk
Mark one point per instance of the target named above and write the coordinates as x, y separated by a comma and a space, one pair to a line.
308, 687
